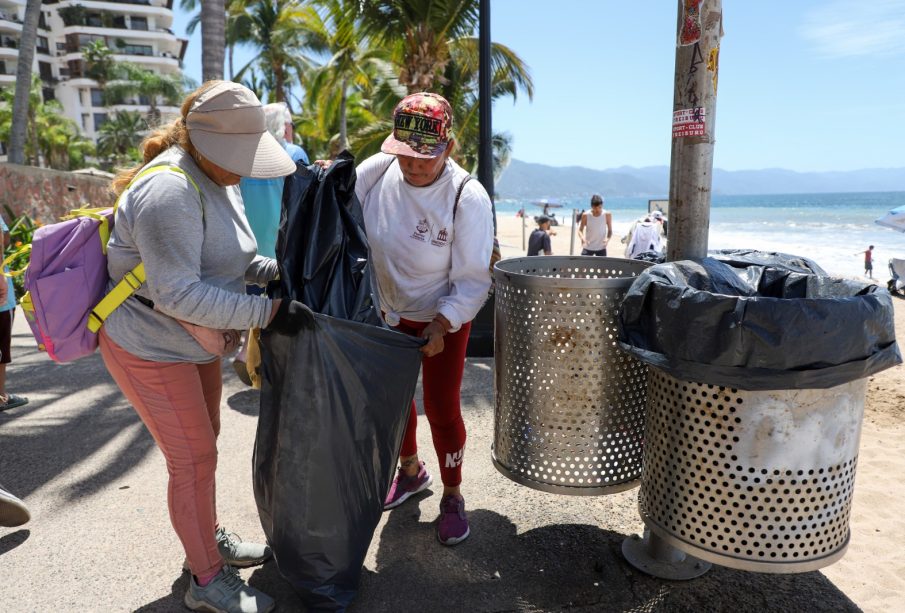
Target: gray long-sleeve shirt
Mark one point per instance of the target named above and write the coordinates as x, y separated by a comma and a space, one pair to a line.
196, 263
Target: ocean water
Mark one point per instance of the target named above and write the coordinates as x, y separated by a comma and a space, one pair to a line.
831, 229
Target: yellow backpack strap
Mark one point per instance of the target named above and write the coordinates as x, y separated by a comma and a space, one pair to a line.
20, 251
135, 278
130, 282
94, 213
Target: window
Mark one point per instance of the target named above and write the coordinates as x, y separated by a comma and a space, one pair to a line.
3, 67
48, 94
99, 120
97, 97
84, 121
45, 71
42, 45
136, 50
139, 23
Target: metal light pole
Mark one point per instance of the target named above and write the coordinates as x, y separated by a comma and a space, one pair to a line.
700, 27
480, 341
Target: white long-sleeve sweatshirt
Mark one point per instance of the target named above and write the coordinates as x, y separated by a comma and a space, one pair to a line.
424, 263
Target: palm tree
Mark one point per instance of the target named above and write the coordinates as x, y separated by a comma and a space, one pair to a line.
119, 136
333, 27
52, 135
27, 41
274, 29
419, 33
213, 38
237, 25
434, 49
99, 62
133, 80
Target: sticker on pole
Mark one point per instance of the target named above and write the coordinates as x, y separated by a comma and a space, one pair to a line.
690, 33
688, 122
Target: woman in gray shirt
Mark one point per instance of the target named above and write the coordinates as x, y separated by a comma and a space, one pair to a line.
186, 222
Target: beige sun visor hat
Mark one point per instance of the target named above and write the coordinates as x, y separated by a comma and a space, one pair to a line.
226, 125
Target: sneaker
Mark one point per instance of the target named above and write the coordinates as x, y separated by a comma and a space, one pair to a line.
237, 553
13, 511
404, 486
227, 593
11, 401
453, 526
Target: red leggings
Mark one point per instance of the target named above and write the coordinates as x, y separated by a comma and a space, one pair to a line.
441, 380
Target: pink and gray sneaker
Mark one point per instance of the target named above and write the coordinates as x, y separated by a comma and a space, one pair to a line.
404, 486
453, 526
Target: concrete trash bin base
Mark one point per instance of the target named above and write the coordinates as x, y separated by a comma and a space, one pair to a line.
753, 480
569, 412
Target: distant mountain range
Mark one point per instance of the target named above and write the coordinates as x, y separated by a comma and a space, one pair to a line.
526, 180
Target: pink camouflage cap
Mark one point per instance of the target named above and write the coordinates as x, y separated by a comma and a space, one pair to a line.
422, 126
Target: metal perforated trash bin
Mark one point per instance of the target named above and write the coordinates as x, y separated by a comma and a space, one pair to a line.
753, 480
569, 411
758, 377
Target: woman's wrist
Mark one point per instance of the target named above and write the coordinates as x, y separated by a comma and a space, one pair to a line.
444, 323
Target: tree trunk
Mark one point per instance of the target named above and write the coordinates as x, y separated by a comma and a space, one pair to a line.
23, 83
213, 38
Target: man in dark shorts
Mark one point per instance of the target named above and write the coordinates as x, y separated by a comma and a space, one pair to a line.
539, 241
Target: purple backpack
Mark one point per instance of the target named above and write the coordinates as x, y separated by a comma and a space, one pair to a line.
66, 278
66, 301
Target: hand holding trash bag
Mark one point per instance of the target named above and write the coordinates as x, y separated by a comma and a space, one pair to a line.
291, 316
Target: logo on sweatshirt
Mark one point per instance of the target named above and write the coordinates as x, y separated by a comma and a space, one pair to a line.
421, 230
442, 238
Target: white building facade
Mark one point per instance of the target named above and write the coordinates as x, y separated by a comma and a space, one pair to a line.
139, 32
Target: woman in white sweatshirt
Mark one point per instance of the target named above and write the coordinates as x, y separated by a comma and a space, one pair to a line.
430, 231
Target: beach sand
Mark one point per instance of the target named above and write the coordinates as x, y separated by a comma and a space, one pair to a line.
872, 573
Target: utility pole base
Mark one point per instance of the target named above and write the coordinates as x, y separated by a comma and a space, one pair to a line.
652, 555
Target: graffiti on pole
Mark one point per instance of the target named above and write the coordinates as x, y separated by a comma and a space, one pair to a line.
690, 32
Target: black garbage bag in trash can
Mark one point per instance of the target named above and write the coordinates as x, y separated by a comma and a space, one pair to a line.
334, 401
757, 321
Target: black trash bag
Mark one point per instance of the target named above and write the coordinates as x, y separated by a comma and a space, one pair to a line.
654, 257
330, 271
334, 400
757, 322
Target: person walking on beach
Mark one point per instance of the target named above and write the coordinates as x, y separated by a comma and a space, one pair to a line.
181, 214
869, 262
595, 228
539, 241
430, 231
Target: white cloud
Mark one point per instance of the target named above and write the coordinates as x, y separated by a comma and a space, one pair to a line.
849, 28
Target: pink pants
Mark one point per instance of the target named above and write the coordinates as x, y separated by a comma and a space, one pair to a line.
179, 402
441, 378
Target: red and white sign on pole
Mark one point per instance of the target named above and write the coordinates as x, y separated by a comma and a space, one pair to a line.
688, 122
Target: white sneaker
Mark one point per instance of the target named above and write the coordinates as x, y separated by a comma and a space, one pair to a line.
227, 593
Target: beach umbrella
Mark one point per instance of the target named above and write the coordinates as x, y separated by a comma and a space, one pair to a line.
544, 203
894, 219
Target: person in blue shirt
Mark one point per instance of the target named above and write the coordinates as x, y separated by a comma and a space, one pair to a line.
263, 196
7, 308
263, 200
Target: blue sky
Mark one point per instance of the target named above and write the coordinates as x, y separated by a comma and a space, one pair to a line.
809, 85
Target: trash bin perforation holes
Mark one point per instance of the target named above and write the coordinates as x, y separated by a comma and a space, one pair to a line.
564, 376
696, 486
